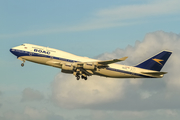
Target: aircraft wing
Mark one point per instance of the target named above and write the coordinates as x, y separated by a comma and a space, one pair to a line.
112, 61
99, 64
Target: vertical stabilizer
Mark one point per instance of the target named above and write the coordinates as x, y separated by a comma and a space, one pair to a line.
156, 62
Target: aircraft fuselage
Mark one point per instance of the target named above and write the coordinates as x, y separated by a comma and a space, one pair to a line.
73, 64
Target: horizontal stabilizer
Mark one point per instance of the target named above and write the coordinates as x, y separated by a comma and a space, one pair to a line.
155, 73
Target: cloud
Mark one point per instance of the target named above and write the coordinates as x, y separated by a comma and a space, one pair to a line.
136, 11
114, 16
126, 94
131, 115
29, 94
30, 113
69, 93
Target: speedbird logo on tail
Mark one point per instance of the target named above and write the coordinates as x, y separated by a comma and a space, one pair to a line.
158, 60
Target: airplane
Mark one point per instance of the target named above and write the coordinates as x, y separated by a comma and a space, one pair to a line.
83, 67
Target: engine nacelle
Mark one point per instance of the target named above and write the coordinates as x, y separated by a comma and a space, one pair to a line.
89, 66
67, 67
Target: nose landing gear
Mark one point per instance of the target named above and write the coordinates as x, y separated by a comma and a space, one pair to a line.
22, 64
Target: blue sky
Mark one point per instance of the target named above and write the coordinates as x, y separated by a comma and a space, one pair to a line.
85, 28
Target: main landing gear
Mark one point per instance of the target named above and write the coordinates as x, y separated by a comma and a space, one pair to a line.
83, 76
77, 77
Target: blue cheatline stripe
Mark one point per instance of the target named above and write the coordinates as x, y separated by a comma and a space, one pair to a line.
122, 71
20, 53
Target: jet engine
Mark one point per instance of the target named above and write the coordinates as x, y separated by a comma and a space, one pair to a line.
67, 67
89, 66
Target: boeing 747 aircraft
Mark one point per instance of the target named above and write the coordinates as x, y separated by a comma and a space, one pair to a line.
82, 67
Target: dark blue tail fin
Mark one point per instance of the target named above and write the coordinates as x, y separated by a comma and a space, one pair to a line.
156, 62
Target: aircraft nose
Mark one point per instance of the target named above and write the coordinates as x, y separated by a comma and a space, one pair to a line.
13, 51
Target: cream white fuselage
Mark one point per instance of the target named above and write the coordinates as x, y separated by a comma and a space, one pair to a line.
56, 58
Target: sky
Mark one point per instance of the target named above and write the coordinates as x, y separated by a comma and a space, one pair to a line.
98, 29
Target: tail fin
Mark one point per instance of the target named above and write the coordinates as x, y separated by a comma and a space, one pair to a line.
156, 62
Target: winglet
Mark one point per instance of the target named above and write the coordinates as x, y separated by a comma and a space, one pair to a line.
112, 61
122, 59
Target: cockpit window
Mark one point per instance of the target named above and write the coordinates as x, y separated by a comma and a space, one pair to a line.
22, 45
